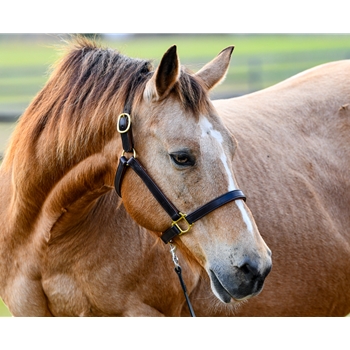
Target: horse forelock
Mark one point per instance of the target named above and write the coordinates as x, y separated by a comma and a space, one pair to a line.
192, 93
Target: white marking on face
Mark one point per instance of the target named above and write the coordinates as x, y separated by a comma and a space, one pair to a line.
245, 215
208, 131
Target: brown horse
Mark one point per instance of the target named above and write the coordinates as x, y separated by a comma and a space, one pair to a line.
69, 245
293, 159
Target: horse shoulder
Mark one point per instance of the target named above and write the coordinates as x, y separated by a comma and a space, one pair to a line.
68, 201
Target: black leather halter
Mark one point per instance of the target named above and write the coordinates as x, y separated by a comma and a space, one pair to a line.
177, 217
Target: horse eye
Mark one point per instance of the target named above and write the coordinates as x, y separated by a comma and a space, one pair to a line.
182, 159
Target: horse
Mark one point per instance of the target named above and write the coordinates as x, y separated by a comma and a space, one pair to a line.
91, 181
293, 158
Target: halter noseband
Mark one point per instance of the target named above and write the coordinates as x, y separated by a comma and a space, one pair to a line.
125, 130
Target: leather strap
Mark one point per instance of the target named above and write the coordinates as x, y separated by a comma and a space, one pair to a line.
125, 130
173, 231
124, 120
119, 175
154, 189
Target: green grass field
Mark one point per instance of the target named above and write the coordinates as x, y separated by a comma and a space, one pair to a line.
258, 61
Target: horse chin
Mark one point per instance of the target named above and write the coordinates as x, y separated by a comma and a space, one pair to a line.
223, 294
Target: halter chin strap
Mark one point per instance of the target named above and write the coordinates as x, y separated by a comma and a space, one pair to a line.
181, 223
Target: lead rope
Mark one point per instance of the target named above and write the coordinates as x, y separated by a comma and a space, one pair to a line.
179, 273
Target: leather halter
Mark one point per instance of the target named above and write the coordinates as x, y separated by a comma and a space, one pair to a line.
125, 130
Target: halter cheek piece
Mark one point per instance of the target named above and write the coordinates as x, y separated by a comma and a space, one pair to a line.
177, 217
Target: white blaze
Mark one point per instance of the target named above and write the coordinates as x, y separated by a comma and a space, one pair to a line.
208, 131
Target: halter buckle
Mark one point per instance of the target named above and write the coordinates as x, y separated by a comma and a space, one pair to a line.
176, 223
127, 116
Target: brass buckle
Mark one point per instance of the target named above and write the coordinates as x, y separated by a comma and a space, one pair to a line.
175, 223
124, 115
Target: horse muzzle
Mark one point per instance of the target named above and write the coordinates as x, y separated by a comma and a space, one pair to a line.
242, 282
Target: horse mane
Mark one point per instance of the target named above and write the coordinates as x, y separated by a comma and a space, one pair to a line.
74, 116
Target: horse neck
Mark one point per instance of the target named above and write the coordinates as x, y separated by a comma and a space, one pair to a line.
37, 173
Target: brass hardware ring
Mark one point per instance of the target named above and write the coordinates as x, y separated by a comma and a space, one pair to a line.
124, 115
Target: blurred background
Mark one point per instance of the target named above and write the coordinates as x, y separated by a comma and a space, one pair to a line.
258, 61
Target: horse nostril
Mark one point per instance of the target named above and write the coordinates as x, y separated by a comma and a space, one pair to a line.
249, 268
245, 269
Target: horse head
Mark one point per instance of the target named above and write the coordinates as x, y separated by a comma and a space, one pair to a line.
180, 139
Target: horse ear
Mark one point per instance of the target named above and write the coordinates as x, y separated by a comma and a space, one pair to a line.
215, 71
165, 76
